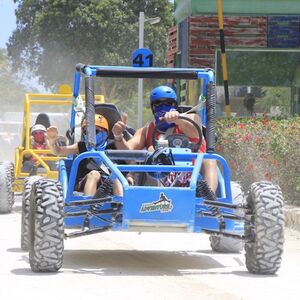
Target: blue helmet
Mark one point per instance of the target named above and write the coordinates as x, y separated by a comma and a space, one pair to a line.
163, 93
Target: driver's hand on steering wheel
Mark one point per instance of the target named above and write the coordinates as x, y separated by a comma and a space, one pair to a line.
171, 116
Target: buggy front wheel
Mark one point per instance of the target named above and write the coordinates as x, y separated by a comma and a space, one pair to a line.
264, 228
28, 183
46, 226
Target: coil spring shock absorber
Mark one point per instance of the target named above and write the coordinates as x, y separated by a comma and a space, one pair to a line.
204, 191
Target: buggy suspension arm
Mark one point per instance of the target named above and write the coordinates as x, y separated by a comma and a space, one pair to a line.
87, 232
229, 234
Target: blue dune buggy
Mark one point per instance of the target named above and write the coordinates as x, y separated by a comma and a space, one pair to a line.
231, 219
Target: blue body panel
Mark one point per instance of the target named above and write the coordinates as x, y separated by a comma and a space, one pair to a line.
150, 204
159, 205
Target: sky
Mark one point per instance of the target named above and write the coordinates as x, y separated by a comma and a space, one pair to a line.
7, 20
7, 25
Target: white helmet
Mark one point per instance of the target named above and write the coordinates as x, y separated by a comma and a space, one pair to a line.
38, 127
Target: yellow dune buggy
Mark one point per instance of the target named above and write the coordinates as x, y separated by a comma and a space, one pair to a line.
45, 110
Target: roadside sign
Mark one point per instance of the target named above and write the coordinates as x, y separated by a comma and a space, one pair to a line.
142, 57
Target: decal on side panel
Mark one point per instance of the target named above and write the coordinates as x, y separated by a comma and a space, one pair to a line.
163, 205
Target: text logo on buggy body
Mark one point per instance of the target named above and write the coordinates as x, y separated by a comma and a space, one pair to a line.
163, 205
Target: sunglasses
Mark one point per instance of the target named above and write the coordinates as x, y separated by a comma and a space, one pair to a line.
161, 102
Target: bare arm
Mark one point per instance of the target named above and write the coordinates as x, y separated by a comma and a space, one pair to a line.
64, 150
52, 134
137, 142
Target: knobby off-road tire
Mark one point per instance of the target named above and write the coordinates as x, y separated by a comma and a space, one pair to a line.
6, 184
264, 228
10, 166
46, 226
227, 244
28, 183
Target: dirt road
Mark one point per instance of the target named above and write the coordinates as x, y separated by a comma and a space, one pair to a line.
117, 265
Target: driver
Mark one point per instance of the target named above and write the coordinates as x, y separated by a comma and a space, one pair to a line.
163, 101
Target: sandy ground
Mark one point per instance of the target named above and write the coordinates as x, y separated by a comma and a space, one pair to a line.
116, 265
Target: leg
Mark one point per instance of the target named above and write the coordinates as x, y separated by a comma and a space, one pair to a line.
92, 179
117, 188
27, 166
210, 173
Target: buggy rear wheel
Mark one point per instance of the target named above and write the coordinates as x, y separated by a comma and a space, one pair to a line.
46, 226
28, 183
6, 185
227, 244
264, 228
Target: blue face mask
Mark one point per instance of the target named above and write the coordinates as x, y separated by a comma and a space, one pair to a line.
101, 140
159, 112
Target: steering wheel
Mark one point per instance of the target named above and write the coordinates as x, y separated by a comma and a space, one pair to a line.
179, 140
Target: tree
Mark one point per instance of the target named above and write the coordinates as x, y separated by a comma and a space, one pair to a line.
276, 97
260, 68
11, 91
52, 36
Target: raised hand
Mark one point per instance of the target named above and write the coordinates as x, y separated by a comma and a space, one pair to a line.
52, 134
118, 128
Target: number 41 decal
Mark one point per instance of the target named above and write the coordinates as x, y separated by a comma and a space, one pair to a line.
142, 57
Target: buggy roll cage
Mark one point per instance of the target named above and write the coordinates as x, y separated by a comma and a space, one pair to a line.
209, 92
91, 71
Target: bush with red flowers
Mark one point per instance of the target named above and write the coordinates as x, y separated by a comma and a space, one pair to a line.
262, 149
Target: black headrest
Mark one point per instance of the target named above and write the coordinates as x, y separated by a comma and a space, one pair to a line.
43, 119
111, 113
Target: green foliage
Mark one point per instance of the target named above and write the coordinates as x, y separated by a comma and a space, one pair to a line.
52, 36
11, 91
259, 68
275, 96
263, 149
